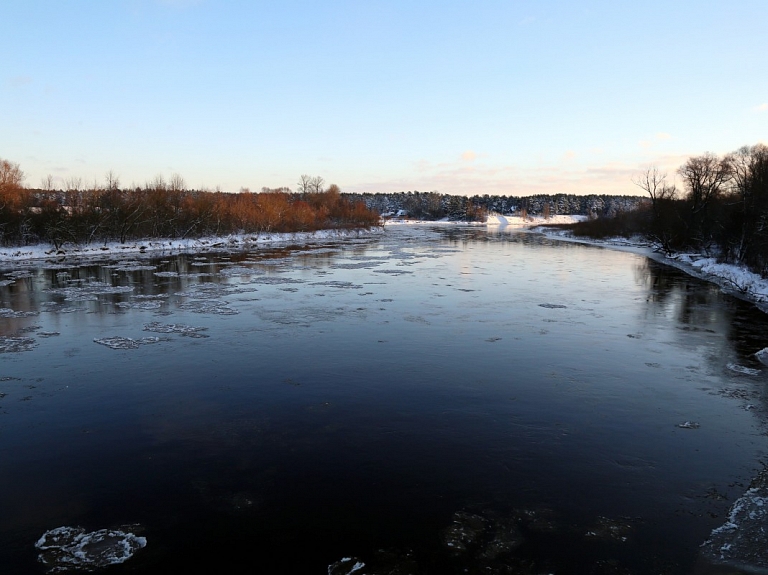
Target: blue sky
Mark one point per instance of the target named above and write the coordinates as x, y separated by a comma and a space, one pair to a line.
496, 97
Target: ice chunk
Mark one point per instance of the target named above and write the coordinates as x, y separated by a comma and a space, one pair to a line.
7, 312
689, 425
16, 344
741, 369
743, 539
144, 305
762, 355
186, 330
89, 291
119, 342
552, 305
74, 549
167, 274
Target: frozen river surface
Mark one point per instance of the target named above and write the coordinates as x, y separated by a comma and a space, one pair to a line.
431, 400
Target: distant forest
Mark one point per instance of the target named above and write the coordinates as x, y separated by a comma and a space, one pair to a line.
436, 206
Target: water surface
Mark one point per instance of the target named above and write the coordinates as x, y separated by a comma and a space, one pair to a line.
278, 410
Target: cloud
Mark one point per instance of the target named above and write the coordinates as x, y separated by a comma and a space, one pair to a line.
469, 156
569, 155
18, 81
663, 136
762, 107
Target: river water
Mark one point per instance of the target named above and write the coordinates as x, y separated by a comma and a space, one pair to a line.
431, 400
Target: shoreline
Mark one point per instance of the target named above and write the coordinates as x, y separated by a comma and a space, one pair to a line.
732, 279
160, 246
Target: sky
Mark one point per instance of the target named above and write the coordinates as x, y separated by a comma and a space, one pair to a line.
461, 97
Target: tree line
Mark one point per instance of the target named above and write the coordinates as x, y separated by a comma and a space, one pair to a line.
164, 209
435, 206
721, 209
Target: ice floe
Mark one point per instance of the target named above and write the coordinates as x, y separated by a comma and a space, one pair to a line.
185, 330
119, 342
762, 356
9, 313
212, 306
140, 305
741, 369
689, 425
75, 549
89, 291
552, 305
742, 541
9, 344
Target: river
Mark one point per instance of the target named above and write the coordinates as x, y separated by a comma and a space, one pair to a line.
436, 399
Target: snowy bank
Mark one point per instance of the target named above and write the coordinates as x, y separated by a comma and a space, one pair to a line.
170, 246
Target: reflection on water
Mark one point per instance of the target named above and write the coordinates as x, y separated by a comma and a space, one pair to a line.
446, 400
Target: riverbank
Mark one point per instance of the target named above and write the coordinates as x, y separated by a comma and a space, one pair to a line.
160, 246
733, 279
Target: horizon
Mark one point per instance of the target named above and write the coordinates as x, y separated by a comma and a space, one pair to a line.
453, 97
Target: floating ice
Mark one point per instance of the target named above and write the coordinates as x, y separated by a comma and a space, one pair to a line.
345, 566
213, 306
552, 305
130, 266
7, 312
48, 333
16, 344
277, 281
72, 548
55, 307
186, 330
689, 425
89, 291
7, 282
338, 284
743, 540
393, 272
119, 342
741, 369
167, 274
762, 355
143, 305
235, 271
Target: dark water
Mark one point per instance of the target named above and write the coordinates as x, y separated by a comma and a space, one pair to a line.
352, 397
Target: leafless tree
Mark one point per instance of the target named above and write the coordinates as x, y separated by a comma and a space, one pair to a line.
705, 177
304, 185
11, 176
316, 185
46, 183
112, 180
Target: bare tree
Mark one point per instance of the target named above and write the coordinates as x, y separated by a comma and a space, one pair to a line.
11, 176
705, 177
112, 180
304, 186
73, 184
654, 183
46, 183
177, 183
316, 185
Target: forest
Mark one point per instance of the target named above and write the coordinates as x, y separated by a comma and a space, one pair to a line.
103, 213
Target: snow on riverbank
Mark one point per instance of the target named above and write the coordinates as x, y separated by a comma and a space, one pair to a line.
168, 246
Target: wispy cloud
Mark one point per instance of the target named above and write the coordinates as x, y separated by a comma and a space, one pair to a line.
469, 156
18, 81
762, 107
663, 136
